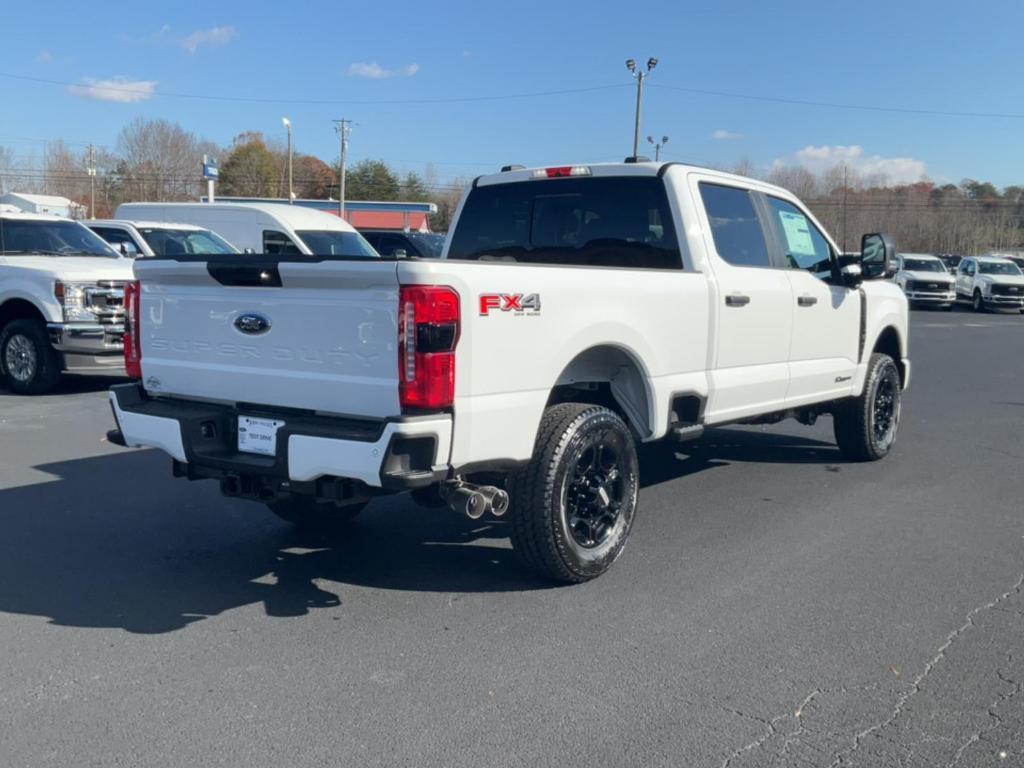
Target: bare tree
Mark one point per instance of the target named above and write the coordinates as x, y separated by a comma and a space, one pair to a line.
160, 160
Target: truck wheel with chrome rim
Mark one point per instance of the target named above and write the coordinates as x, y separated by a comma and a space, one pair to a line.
865, 426
30, 364
573, 504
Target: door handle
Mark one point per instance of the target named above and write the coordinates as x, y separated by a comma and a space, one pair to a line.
807, 301
737, 300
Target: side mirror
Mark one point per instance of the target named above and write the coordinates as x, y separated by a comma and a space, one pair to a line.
400, 253
248, 250
877, 256
128, 250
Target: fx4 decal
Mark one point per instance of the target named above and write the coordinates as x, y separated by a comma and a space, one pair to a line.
510, 302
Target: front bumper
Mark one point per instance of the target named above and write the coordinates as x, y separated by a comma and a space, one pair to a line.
931, 297
390, 454
1002, 300
87, 338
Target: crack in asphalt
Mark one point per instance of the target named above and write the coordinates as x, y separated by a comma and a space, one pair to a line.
997, 720
915, 685
770, 724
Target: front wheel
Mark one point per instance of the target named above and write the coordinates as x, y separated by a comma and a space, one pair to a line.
573, 504
31, 364
865, 426
979, 302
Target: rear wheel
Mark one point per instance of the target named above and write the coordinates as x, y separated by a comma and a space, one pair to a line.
865, 426
306, 512
32, 366
573, 505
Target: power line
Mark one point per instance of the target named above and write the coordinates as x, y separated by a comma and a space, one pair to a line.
127, 90
839, 105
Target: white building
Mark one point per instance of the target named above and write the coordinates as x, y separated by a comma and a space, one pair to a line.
52, 204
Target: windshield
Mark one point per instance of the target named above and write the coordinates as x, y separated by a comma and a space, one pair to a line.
923, 265
177, 242
51, 238
998, 268
429, 245
329, 242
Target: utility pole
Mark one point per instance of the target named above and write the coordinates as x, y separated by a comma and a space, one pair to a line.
845, 188
657, 146
291, 190
342, 127
640, 76
92, 181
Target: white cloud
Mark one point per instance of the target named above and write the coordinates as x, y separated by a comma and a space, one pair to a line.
44, 57
723, 135
375, 71
896, 170
119, 89
214, 36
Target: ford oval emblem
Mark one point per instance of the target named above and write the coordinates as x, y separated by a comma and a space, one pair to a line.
252, 323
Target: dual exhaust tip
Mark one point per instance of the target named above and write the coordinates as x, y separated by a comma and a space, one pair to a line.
475, 501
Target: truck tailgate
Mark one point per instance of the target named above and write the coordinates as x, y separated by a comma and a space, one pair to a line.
321, 336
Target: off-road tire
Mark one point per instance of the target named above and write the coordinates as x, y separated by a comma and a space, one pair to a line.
854, 419
309, 514
45, 364
542, 510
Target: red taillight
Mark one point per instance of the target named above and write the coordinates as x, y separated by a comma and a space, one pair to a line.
132, 339
428, 330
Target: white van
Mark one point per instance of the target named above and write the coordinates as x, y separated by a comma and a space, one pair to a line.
275, 229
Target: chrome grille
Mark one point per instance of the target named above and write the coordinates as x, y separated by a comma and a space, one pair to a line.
106, 301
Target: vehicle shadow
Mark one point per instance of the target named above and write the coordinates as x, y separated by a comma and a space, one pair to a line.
112, 541
74, 384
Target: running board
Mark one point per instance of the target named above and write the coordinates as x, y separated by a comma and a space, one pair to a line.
682, 433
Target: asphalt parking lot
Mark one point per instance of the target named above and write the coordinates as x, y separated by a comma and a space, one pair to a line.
776, 606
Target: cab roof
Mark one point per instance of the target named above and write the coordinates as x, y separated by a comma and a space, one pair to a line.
642, 168
146, 224
25, 216
295, 216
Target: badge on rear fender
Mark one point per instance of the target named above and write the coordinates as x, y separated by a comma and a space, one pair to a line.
517, 303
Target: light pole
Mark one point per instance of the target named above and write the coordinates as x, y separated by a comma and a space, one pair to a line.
92, 181
291, 193
342, 127
640, 76
657, 146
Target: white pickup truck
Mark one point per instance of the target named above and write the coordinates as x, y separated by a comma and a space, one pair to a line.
577, 310
61, 301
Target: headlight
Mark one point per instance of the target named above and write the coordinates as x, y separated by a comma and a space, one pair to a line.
72, 298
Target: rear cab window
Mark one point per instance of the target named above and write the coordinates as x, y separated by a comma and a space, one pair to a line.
603, 221
277, 243
735, 226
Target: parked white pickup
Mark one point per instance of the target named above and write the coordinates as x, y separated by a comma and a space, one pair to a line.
577, 310
61, 301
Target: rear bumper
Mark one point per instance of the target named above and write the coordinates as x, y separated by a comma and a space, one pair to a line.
393, 454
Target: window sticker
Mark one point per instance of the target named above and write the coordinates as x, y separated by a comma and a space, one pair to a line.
798, 234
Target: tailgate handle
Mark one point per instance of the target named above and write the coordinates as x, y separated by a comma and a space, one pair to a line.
246, 274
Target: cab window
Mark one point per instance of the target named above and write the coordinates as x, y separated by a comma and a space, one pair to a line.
735, 226
279, 244
803, 245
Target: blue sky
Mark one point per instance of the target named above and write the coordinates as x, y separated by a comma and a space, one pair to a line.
936, 55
